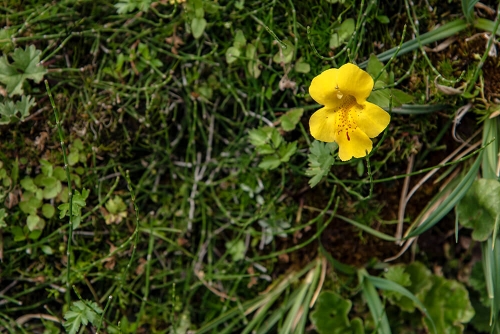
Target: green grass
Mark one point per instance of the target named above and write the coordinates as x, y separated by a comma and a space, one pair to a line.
133, 199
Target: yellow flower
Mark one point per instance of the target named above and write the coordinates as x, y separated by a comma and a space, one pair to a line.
346, 118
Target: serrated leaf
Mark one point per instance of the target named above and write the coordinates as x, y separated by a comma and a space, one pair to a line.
479, 208
81, 313
270, 162
265, 149
258, 137
25, 65
236, 248
276, 138
291, 118
286, 151
198, 25
10, 112
320, 160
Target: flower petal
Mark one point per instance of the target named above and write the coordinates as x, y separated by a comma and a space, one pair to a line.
352, 80
372, 119
322, 87
354, 143
322, 125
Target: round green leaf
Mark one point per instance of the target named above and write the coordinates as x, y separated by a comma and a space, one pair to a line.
198, 26
232, 54
48, 210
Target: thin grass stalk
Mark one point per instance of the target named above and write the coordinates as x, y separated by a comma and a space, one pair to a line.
70, 190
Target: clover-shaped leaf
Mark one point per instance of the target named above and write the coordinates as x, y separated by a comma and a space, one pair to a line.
25, 65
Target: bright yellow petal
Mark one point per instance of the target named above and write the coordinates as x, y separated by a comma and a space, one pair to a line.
322, 125
352, 80
371, 119
322, 87
353, 143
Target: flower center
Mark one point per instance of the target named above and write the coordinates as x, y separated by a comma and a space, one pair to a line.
346, 117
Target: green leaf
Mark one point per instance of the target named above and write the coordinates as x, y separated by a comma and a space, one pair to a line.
478, 282
286, 151
265, 149
320, 160
236, 248
301, 66
18, 233
115, 205
334, 41
270, 162
198, 25
34, 222
375, 67
47, 250
468, 9
59, 173
3, 215
73, 158
330, 314
10, 112
24, 66
284, 55
239, 40
232, 54
479, 208
399, 97
78, 203
81, 313
383, 19
260, 136
276, 138
46, 167
28, 184
48, 210
128, 6
291, 118
30, 204
253, 65
346, 29
449, 305
53, 190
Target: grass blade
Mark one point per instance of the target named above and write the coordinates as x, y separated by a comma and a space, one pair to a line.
450, 202
374, 304
445, 31
385, 284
